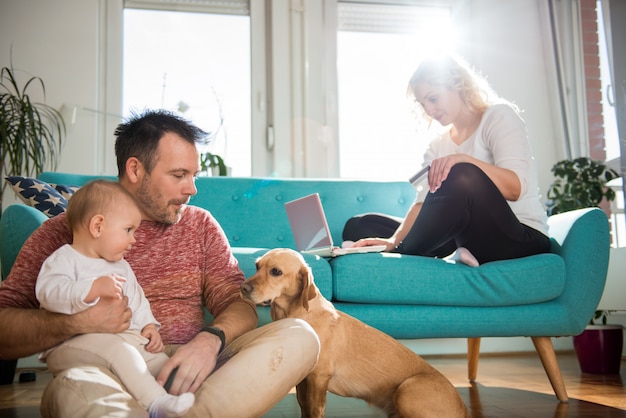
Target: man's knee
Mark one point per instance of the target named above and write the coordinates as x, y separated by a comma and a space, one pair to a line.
298, 333
88, 392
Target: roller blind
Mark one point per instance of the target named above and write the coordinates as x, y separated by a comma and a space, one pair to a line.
387, 18
230, 7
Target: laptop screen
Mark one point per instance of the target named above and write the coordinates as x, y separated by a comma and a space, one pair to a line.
308, 223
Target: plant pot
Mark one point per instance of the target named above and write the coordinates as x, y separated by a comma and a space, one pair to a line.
215, 171
599, 349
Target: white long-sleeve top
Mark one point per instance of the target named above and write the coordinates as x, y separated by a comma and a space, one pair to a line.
67, 275
500, 139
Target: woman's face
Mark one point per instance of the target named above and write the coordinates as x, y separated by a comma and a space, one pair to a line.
439, 102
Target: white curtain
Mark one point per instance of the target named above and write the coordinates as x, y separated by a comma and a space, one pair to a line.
567, 46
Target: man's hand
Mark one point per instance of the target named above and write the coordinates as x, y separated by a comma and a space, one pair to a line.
156, 344
107, 316
195, 361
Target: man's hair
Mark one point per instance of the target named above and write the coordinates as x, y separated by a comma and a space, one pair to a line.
94, 198
139, 136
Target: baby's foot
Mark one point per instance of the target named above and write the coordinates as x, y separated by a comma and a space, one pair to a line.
464, 256
170, 406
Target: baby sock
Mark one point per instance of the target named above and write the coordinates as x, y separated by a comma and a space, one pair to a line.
170, 406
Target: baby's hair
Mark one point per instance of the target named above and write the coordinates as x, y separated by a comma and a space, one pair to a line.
96, 197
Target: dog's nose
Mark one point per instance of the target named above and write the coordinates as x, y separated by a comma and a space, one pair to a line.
246, 288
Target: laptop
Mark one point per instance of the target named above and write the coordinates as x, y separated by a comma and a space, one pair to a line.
310, 229
418, 178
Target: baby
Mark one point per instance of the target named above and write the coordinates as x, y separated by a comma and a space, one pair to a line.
103, 218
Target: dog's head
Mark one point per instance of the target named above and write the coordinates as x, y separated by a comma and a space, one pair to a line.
282, 279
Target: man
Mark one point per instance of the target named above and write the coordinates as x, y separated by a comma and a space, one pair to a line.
183, 261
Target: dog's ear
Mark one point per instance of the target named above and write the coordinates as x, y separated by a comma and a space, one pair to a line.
305, 277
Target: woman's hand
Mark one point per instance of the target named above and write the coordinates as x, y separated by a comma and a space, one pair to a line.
505, 180
369, 242
440, 168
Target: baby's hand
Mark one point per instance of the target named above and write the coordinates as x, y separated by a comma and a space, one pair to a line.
110, 286
155, 345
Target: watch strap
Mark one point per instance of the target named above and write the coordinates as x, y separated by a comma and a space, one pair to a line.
216, 331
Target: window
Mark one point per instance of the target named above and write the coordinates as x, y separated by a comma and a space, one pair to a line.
608, 88
378, 49
197, 64
610, 129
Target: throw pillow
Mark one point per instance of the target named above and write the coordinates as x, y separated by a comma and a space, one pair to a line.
41, 195
66, 191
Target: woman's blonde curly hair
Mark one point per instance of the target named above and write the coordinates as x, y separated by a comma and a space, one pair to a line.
455, 74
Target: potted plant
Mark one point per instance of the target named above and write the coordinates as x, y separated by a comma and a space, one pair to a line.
31, 133
213, 163
581, 183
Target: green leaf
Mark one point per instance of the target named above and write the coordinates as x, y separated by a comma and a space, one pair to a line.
31, 133
579, 183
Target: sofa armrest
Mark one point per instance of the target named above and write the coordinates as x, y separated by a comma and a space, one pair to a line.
16, 224
582, 238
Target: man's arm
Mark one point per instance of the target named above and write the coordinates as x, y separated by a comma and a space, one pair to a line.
25, 331
239, 318
29, 331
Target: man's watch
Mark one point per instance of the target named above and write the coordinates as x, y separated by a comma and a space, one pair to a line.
216, 331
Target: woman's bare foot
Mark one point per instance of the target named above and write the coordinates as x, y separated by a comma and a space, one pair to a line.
464, 256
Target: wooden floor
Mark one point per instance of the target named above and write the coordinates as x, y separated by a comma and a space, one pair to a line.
507, 386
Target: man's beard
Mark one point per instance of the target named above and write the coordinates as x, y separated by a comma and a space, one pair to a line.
152, 206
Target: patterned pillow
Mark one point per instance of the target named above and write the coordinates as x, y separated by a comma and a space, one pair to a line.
66, 191
51, 199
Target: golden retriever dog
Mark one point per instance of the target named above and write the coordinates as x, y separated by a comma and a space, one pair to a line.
355, 360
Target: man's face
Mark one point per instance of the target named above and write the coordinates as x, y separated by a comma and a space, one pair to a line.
164, 192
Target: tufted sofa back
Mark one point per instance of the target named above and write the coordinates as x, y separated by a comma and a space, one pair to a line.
252, 212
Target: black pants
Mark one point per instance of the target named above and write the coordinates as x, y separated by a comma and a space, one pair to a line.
467, 211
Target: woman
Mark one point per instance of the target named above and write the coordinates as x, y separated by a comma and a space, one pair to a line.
482, 202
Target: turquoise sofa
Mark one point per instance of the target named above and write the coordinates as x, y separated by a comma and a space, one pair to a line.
407, 297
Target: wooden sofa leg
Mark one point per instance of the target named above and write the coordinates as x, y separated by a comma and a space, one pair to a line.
545, 349
473, 352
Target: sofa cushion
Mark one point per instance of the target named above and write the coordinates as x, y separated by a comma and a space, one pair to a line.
49, 198
389, 278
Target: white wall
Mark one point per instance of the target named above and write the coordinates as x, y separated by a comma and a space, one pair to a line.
61, 42
74, 45
508, 41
